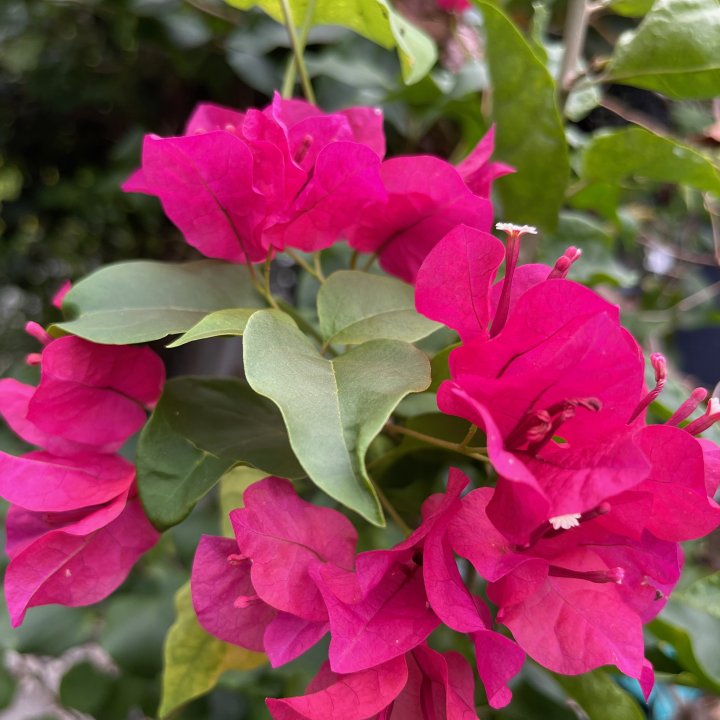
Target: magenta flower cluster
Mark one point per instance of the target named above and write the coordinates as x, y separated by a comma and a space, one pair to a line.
241, 186
75, 526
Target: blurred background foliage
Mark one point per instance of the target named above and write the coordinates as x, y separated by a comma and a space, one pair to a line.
625, 172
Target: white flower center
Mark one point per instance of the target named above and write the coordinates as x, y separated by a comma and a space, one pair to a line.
518, 229
565, 522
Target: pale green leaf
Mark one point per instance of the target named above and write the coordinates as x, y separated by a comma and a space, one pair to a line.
194, 659
703, 594
221, 322
200, 428
529, 132
233, 485
143, 300
332, 408
674, 51
376, 20
630, 8
354, 307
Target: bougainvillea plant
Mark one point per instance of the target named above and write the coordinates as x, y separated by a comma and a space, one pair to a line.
548, 534
562, 547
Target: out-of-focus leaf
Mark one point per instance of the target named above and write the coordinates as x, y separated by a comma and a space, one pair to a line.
703, 594
529, 134
630, 8
233, 484
635, 152
199, 429
194, 659
674, 51
53, 629
693, 636
373, 19
354, 307
85, 687
218, 323
600, 697
142, 300
332, 408
7, 687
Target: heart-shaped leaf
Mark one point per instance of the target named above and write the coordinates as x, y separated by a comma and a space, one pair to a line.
199, 429
332, 408
354, 307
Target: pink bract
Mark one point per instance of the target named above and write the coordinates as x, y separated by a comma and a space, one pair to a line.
69, 569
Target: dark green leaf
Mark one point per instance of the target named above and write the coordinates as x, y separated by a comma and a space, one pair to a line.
138, 301
218, 323
530, 134
675, 51
199, 429
195, 660
332, 408
636, 152
85, 688
373, 19
354, 307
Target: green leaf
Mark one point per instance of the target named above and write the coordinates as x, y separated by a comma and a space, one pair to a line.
600, 697
233, 485
220, 322
85, 687
635, 152
199, 429
332, 408
703, 594
374, 19
195, 660
674, 51
630, 8
354, 307
142, 300
693, 636
530, 134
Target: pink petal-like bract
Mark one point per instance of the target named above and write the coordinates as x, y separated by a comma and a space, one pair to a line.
95, 394
426, 199
355, 696
288, 636
284, 535
476, 169
458, 293
224, 599
77, 569
43, 482
205, 185
681, 509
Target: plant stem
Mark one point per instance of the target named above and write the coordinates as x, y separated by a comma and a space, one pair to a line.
291, 70
366, 267
301, 322
306, 266
297, 49
390, 509
470, 435
354, 259
317, 264
474, 452
266, 276
576, 23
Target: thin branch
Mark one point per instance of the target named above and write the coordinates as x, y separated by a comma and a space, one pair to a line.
298, 52
391, 511
576, 23
478, 453
291, 70
305, 265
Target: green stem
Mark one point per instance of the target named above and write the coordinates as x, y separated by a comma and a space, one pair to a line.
266, 277
369, 263
317, 264
291, 70
474, 452
391, 511
305, 265
470, 435
354, 259
297, 49
300, 321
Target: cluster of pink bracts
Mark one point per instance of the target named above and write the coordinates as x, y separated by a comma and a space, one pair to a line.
577, 542
75, 526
